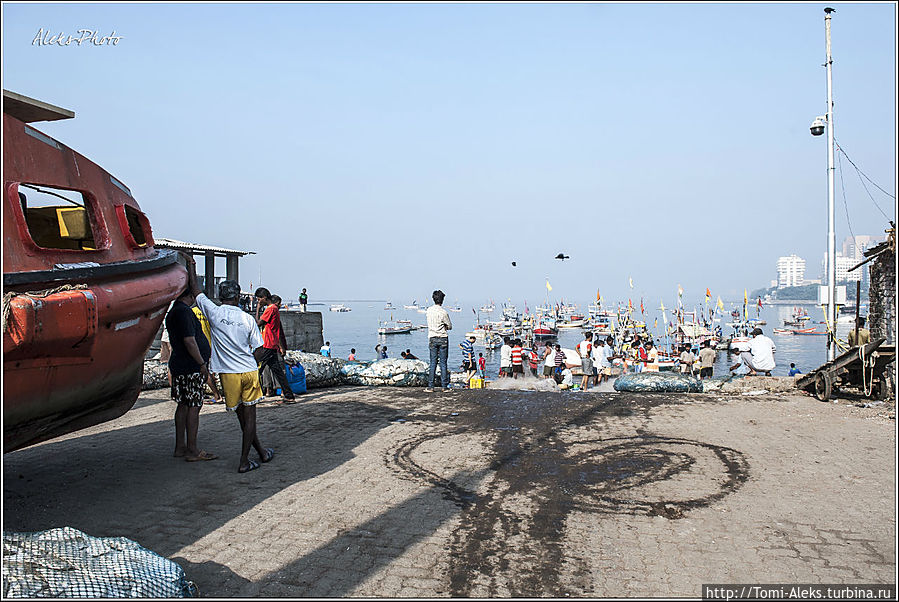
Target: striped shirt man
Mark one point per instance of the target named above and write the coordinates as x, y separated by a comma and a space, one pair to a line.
516, 355
467, 351
560, 357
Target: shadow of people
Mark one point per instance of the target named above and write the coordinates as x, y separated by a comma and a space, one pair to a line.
125, 482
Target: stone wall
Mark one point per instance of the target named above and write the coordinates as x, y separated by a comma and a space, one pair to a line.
303, 330
882, 301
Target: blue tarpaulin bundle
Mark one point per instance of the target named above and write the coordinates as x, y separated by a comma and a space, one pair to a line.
66, 563
658, 382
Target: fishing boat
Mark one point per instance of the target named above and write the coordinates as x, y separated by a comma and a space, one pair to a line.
575, 323
456, 307
85, 288
395, 327
799, 317
493, 341
602, 325
488, 308
340, 307
389, 306
413, 306
792, 331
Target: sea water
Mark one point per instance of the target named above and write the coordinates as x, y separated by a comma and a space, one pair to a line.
359, 329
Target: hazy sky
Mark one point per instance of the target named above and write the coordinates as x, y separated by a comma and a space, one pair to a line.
379, 151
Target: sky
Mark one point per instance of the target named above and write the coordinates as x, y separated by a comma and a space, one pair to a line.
381, 151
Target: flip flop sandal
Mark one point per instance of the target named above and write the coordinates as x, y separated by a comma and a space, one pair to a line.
253, 465
269, 454
204, 455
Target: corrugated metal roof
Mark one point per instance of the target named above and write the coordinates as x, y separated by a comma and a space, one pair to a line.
169, 243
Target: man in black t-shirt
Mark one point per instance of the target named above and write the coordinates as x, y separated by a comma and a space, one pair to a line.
189, 368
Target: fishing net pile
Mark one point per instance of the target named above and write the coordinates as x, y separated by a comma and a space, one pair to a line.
321, 371
66, 563
658, 382
391, 372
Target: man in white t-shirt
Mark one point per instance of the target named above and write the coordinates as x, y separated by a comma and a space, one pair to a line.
235, 344
585, 350
762, 349
439, 325
505, 358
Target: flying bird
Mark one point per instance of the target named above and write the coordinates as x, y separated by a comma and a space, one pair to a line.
514, 264
562, 256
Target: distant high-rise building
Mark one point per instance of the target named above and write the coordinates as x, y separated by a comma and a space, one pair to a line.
790, 271
855, 247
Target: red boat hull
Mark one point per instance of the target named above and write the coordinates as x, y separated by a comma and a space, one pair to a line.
75, 337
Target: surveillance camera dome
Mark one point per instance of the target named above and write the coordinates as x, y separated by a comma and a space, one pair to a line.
817, 127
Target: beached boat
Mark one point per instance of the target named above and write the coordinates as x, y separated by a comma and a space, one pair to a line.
86, 289
340, 307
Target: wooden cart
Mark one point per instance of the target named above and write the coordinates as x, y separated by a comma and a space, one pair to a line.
864, 371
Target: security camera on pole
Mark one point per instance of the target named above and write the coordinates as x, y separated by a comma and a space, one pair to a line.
817, 128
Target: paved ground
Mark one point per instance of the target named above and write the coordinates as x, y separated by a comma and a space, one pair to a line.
400, 493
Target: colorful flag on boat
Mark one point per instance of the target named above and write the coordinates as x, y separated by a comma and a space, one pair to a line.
641, 305
760, 303
655, 323
548, 287
630, 281
598, 296
680, 291
708, 295
720, 303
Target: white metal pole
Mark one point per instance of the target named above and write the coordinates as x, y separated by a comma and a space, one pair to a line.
831, 236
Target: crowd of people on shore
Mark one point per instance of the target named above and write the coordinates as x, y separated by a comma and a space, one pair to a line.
212, 343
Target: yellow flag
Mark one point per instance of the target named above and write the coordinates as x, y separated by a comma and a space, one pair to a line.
630, 281
548, 287
720, 304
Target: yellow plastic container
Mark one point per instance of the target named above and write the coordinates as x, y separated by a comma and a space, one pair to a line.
476, 383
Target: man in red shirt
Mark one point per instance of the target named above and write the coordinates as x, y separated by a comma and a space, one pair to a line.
273, 341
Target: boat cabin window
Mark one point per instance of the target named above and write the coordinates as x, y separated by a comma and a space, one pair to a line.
135, 221
57, 218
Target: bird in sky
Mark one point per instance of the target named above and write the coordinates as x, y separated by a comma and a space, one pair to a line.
514, 264
562, 256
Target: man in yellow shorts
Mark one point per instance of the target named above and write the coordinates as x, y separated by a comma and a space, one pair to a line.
235, 343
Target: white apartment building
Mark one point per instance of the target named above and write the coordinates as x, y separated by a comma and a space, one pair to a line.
790, 271
843, 264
